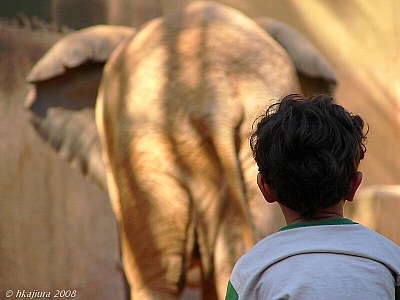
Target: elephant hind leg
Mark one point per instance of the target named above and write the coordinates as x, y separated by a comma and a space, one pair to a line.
152, 276
209, 289
229, 247
156, 232
196, 279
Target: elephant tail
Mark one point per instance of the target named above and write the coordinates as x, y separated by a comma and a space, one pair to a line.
233, 174
228, 143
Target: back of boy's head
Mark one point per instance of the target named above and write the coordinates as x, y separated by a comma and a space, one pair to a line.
308, 151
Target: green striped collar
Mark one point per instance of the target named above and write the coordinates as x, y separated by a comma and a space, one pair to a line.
339, 221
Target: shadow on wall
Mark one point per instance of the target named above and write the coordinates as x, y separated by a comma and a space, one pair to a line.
77, 14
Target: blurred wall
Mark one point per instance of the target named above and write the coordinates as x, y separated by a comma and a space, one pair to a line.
75, 14
57, 229
378, 207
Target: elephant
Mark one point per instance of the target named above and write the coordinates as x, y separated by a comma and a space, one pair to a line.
160, 118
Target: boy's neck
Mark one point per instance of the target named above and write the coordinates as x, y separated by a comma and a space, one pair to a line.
333, 212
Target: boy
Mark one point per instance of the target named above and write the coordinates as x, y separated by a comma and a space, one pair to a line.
308, 152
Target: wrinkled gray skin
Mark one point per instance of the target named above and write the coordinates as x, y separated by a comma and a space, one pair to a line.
174, 112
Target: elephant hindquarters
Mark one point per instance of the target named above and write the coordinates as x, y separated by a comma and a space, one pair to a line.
154, 213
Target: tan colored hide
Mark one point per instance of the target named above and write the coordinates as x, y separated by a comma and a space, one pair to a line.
174, 112
57, 230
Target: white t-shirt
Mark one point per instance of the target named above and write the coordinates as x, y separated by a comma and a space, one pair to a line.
334, 259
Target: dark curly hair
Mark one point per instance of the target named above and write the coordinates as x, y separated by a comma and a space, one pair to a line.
308, 150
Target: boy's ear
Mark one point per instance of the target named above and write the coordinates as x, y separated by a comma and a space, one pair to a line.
265, 190
354, 184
